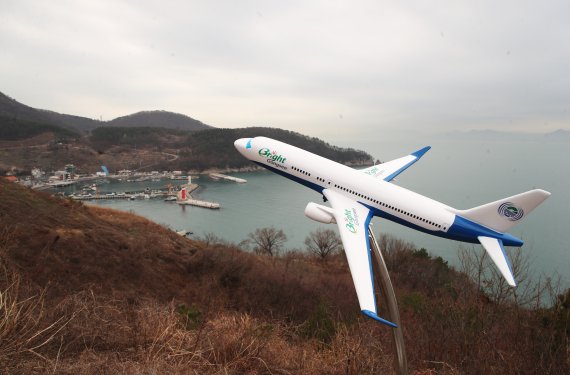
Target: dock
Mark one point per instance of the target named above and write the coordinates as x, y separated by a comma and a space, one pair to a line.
184, 198
198, 203
99, 197
218, 176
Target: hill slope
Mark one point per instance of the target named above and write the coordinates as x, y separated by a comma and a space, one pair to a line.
125, 295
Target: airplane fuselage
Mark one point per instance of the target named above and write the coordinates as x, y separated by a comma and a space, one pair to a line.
384, 199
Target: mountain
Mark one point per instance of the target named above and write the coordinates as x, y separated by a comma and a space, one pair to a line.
11, 108
158, 119
46, 139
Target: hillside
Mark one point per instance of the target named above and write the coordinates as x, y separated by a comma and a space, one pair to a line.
14, 129
158, 119
87, 290
195, 149
199, 145
151, 149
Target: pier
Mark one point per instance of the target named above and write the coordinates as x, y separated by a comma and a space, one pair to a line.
184, 198
198, 203
218, 176
99, 197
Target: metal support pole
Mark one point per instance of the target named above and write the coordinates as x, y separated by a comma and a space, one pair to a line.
392, 304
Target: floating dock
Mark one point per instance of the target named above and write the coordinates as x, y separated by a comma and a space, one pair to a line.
218, 176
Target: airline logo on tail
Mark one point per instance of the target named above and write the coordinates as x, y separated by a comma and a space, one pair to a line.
510, 211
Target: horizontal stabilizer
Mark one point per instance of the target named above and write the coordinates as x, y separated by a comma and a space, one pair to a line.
496, 251
372, 315
504, 214
389, 170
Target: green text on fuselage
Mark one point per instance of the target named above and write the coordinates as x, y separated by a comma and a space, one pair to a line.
272, 155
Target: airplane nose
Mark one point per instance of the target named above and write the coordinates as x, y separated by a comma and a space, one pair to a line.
239, 143
242, 144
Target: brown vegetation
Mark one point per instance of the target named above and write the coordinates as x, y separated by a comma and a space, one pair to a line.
86, 290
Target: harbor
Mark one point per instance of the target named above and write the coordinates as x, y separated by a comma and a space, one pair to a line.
180, 194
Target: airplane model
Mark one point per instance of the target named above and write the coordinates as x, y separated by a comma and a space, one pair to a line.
358, 195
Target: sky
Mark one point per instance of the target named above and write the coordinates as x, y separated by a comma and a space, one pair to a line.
335, 69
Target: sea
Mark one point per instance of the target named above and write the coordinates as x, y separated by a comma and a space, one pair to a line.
462, 173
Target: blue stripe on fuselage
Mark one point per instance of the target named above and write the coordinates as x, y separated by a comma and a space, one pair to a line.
462, 230
385, 215
466, 230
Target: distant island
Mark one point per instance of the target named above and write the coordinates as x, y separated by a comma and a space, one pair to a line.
559, 135
157, 140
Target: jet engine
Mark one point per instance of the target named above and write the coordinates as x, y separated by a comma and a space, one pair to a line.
322, 214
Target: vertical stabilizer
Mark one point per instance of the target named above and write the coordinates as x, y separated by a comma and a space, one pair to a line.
504, 214
496, 251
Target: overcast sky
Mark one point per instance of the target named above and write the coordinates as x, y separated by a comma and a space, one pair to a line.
325, 68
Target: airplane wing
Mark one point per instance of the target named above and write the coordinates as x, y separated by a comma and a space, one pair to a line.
389, 170
353, 219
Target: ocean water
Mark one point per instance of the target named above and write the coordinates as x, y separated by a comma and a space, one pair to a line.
460, 173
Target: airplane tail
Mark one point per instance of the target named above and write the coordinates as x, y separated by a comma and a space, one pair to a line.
505, 213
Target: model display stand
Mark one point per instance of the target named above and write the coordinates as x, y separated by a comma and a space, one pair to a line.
387, 290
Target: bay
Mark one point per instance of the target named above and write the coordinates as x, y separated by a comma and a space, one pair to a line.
460, 173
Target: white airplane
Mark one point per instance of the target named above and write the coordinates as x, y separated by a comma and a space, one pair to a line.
358, 195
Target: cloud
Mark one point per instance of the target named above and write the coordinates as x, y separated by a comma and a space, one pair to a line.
319, 67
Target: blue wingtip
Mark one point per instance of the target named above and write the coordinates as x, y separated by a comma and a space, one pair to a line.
372, 315
418, 154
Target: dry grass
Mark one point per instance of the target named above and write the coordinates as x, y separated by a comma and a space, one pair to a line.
115, 337
26, 325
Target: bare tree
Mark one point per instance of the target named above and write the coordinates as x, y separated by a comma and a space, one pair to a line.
481, 269
474, 263
323, 242
210, 238
267, 241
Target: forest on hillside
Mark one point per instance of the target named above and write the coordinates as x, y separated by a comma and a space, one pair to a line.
14, 129
105, 137
215, 147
